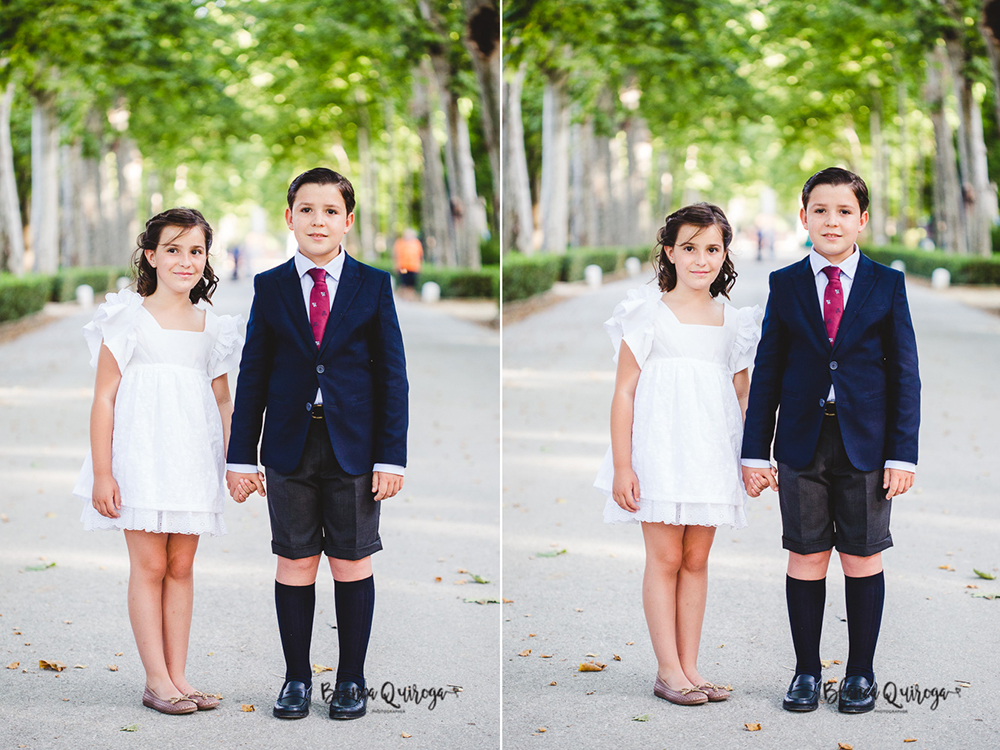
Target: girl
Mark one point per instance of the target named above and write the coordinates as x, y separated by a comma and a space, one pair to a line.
676, 427
158, 431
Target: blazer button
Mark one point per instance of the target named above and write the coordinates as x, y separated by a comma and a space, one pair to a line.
833, 365
822, 402
320, 369
309, 407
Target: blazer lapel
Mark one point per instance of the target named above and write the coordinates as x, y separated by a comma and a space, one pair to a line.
290, 286
861, 287
347, 289
805, 287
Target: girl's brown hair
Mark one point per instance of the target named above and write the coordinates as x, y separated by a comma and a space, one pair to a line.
184, 219
702, 215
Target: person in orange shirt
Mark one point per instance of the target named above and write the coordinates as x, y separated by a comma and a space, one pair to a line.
407, 255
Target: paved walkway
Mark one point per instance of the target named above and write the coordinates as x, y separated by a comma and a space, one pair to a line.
425, 634
586, 604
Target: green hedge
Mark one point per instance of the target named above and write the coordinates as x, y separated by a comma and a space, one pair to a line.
102, 279
610, 259
463, 282
964, 269
23, 295
527, 275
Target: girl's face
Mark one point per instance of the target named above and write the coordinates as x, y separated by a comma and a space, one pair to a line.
179, 259
697, 255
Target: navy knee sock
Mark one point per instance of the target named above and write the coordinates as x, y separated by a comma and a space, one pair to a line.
806, 603
295, 606
355, 605
865, 599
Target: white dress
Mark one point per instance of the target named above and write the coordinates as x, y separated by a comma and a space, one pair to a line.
167, 451
687, 428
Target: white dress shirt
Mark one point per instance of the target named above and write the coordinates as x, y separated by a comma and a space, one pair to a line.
334, 269
848, 270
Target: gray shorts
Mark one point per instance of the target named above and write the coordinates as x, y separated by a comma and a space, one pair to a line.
321, 508
830, 504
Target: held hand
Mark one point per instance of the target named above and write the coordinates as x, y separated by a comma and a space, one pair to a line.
756, 480
241, 485
625, 490
107, 498
897, 482
385, 484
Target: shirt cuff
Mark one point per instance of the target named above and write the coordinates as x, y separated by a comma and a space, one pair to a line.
756, 463
242, 468
901, 465
388, 469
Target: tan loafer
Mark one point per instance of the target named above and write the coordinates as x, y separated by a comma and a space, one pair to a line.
715, 693
682, 697
203, 701
178, 705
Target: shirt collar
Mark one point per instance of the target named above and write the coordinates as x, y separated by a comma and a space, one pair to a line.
848, 267
333, 268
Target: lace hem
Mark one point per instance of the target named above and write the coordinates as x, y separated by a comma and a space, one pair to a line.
157, 521
678, 514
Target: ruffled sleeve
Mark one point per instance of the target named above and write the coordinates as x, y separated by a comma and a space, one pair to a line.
632, 322
747, 337
228, 346
114, 326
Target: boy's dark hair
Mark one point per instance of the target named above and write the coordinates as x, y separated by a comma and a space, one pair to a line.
701, 215
837, 176
184, 219
323, 176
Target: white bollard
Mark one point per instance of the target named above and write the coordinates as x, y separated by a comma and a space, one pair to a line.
430, 292
940, 278
85, 295
898, 265
123, 282
593, 275
633, 266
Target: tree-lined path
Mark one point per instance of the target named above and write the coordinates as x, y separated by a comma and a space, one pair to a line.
425, 633
585, 604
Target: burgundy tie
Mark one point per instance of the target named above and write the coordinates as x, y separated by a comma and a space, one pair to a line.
833, 302
319, 304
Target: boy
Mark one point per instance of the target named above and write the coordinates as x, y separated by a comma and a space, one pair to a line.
324, 357
838, 356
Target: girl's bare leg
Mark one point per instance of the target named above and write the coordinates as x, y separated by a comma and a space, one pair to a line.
692, 591
178, 600
664, 557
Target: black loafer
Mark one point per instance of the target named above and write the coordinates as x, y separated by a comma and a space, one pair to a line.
803, 694
293, 700
857, 695
350, 701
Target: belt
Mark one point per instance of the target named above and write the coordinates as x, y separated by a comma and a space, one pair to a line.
830, 409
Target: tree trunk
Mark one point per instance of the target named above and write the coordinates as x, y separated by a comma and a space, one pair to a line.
69, 240
983, 196
475, 215
555, 163
434, 198
876, 209
589, 221
989, 28
44, 184
577, 233
949, 234
366, 210
483, 42
602, 188
10, 210
904, 150
128, 162
390, 182
637, 140
518, 222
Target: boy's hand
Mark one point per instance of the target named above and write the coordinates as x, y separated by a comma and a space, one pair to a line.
241, 485
625, 490
756, 480
897, 481
385, 484
107, 498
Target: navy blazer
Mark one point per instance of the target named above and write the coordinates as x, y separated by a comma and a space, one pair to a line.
359, 368
872, 365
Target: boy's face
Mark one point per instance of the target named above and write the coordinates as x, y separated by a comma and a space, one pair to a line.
319, 220
834, 220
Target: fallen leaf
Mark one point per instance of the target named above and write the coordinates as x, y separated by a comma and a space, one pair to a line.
405, 735
50, 514
552, 683
67, 622
113, 667
462, 570
79, 666
910, 739
65, 699
553, 553
478, 579
483, 600
591, 666
526, 652
641, 717
832, 681
579, 609
437, 579
531, 635
987, 576
247, 708
541, 729
963, 683
986, 596
318, 668
561, 500
18, 632
945, 567
844, 746
972, 585
130, 728
14, 665
120, 653
592, 656
617, 657
630, 643
3, 517
752, 727
508, 601
545, 656
40, 567
57, 666
461, 581
591, 692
